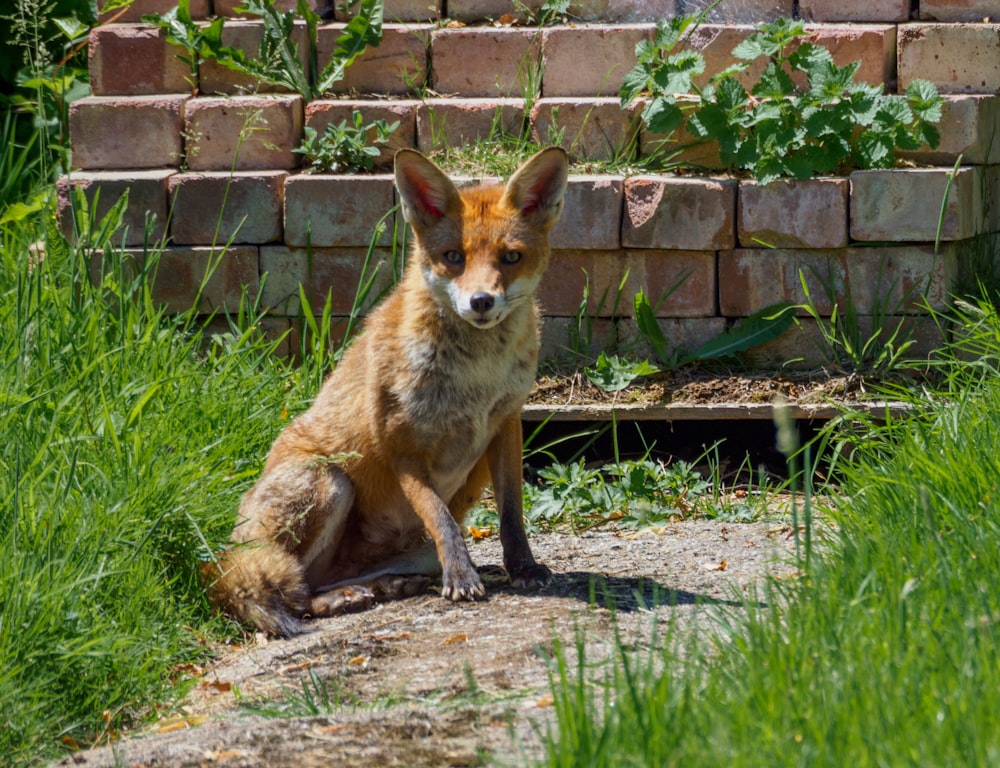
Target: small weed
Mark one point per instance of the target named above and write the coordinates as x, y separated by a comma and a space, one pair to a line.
849, 344
318, 696
347, 147
613, 373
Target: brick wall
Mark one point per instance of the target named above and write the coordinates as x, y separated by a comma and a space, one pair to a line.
214, 165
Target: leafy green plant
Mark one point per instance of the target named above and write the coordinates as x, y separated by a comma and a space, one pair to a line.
42, 71
628, 493
778, 129
345, 147
277, 61
613, 373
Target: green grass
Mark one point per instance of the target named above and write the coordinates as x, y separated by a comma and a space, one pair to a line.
126, 438
885, 651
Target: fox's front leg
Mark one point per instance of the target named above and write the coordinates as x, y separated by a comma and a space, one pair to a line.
506, 469
459, 580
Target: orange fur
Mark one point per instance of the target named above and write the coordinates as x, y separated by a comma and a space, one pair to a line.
422, 412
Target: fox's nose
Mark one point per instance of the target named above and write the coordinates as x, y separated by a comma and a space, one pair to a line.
482, 302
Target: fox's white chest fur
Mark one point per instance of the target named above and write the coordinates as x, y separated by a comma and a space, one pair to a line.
463, 384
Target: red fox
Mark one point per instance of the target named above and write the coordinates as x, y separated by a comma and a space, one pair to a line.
362, 496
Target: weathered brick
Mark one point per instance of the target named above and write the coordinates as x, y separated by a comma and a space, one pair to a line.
790, 213
991, 199
139, 8
752, 279
242, 132
681, 214
677, 283
586, 278
324, 210
131, 60
575, 340
228, 7
959, 10
147, 201
802, 346
321, 114
219, 275
881, 280
482, 10
683, 334
455, 122
412, 10
744, 12
904, 205
398, 65
320, 271
589, 129
957, 58
213, 78
112, 132
609, 53
213, 208
598, 276
591, 215
485, 61
854, 10
969, 127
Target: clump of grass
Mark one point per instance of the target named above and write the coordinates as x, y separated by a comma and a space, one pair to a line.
126, 437
883, 648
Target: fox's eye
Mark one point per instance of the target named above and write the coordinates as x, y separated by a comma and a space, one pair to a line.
453, 257
511, 257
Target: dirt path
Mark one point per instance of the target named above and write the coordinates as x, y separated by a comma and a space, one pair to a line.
423, 682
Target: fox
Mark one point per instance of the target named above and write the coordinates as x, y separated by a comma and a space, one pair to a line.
362, 497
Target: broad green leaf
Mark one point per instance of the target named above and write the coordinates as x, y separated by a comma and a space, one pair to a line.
362, 31
730, 94
753, 48
774, 83
662, 115
72, 28
759, 328
21, 211
635, 82
645, 320
930, 135
809, 57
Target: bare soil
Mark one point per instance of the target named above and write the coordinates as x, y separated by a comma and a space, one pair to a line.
425, 682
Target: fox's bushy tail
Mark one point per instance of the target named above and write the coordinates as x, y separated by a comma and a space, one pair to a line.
260, 584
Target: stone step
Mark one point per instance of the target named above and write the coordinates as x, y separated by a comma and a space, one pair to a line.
202, 133
527, 62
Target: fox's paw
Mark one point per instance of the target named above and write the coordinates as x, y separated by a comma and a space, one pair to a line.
350, 599
533, 576
465, 585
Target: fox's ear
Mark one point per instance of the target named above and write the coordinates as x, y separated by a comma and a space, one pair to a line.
426, 193
537, 188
